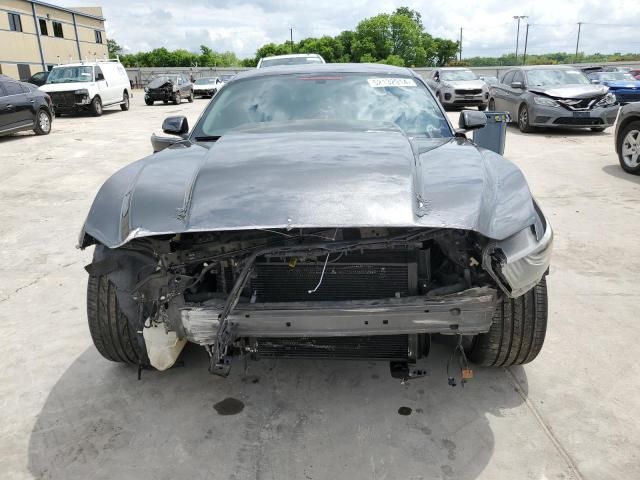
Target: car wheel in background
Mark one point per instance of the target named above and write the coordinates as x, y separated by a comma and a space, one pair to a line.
523, 119
125, 102
598, 129
149, 101
96, 106
629, 148
517, 332
177, 98
492, 105
190, 97
43, 123
165, 102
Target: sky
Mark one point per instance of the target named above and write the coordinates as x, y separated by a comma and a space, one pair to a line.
488, 26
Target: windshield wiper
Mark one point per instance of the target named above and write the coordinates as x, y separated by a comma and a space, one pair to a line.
208, 138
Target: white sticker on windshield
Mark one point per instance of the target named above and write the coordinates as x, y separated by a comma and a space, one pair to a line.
391, 82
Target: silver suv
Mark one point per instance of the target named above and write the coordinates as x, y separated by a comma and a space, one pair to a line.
459, 87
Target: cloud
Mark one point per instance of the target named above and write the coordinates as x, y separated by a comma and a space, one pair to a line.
488, 27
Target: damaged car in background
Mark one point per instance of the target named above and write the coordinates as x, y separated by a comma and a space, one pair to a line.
319, 211
553, 97
168, 88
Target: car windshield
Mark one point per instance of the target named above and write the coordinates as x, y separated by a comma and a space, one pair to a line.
616, 76
366, 100
549, 77
272, 62
70, 74
206, 80
457, 75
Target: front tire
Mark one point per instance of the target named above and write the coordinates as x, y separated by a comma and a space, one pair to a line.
111, 331
482, 108
148, 101
96, 106
628, 143
124, 106
492, 105
177, 98
523, 120
43, 122
517, 332
190, 97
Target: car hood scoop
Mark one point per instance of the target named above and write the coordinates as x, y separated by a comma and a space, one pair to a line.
308, 179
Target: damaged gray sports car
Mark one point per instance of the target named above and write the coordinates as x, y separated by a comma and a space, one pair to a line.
318, 211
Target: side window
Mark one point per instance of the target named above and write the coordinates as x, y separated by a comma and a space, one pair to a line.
2, 92
15, 24
508, 77
518, 77
44, 30
57, 30
12, 88
98, 72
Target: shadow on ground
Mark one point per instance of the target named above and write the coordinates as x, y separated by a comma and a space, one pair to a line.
301, 419
618, 172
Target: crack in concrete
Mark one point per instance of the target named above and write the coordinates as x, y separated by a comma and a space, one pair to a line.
546, 428
34, 281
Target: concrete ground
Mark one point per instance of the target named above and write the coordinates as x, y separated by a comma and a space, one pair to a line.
66, 413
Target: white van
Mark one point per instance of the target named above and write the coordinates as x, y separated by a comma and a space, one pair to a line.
88, 86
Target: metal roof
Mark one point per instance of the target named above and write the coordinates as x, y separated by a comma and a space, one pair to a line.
65, 9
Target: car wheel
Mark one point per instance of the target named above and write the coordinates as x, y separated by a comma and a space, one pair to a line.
523, 120
598, 129
492, 105
96, 106
111, 331
125, 102
166, 102
148, 101
190, 97
629, 148
43, 123
517, 332
482, 108
177, 98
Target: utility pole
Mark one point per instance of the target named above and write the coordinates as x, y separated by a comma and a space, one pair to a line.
518, 18
291, 33
526, 41
460, 43
578, 40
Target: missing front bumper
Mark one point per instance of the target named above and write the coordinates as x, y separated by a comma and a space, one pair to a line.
467, 312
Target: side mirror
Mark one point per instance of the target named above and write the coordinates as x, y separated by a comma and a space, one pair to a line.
99, 77
472, 120
175, 125
517, 85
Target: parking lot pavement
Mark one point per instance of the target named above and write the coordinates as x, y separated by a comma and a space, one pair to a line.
67, 413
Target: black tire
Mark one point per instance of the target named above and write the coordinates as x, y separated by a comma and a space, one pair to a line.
598, 129
190, 97
482, 108
492, 105
124, 106
517, 333
148, 101
177, 98
43, 122
110, 329
523, 119
96, 106
628, 139
166, 102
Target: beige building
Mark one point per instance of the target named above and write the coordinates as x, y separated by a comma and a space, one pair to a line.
35, 36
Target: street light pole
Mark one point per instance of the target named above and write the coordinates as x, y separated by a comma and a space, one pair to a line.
460, 43
291, 34
518, 18
526, 41
578, 40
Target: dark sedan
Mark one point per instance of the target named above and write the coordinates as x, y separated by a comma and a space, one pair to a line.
628, 138
23, 107
555, 96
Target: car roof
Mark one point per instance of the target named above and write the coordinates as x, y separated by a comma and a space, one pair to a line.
370, 68
454, 68
292, 55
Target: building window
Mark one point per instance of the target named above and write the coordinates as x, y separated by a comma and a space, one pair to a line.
24, 71
15, 25
43, 27
98, 36
57, 29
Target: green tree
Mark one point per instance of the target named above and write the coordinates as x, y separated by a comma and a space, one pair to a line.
113, 48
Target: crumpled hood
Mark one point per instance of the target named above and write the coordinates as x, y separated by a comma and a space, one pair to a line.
311, 179
571, 91
466, 84
160, 82
65, 87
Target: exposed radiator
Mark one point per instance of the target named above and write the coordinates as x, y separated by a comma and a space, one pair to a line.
377, 347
